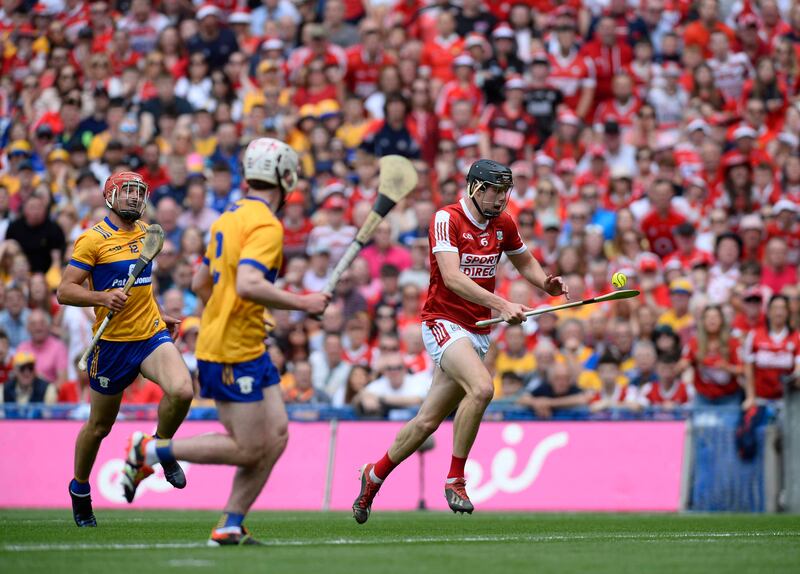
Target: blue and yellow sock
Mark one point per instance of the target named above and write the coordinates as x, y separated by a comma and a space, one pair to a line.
79, 488
159, 450
229, 521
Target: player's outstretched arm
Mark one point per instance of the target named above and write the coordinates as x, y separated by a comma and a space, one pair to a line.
253, 286
72, 292
466, 288
532, 271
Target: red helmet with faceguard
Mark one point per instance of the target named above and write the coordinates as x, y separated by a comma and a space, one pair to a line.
126, 195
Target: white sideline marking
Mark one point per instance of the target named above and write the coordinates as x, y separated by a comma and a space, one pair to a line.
653, 536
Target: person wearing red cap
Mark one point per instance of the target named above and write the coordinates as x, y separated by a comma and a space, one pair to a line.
296, 226
335, 233
750, 41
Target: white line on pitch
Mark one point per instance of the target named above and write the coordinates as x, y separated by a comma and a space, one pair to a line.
685, 536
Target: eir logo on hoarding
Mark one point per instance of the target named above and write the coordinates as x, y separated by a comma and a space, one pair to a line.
504, 465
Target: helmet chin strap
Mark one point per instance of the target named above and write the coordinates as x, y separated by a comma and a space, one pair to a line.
481, 210
282, 199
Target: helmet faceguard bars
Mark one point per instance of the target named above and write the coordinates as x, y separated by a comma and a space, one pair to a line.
126, 195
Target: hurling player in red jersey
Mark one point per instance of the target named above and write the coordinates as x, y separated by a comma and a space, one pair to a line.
467, 240
770, 352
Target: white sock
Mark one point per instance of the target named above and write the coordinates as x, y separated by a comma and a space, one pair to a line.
150, 455
374, 477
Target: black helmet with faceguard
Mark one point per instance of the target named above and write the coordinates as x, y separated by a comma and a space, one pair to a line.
487, 175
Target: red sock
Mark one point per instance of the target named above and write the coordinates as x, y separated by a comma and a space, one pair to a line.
384, 466
457, 467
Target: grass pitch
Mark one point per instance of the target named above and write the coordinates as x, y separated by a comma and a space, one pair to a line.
404, 543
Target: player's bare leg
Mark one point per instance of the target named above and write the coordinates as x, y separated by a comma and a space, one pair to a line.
257, 436
165, 367
465, 367
103, 413
265, 446
442, 398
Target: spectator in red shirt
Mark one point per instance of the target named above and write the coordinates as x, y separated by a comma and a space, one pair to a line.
659, 224
714, 357
622, 107
776, 271
314, 85
785, 225
668, 391
365, 60
770, 352
564, 143
751, 315
610, 56
142, 392
296, 226
686, 252
698, 33
571, 72
153, 172
439, 53
462, 87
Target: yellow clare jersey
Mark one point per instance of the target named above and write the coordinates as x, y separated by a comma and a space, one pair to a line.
108, 253
504, 363
232, 329
678, 324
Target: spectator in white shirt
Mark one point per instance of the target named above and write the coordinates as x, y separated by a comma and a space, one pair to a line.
329, 371
395, 389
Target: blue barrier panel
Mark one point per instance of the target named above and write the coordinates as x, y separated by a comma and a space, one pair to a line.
721, 480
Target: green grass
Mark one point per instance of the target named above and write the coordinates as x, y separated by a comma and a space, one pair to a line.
148, 542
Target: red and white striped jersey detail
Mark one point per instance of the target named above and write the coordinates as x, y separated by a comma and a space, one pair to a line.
479, 248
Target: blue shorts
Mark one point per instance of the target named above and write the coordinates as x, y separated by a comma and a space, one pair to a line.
237, 382
113, 365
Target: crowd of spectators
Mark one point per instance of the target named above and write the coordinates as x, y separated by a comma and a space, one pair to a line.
658, 138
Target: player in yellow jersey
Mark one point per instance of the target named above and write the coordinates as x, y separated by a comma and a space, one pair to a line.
236, 283
136, 341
